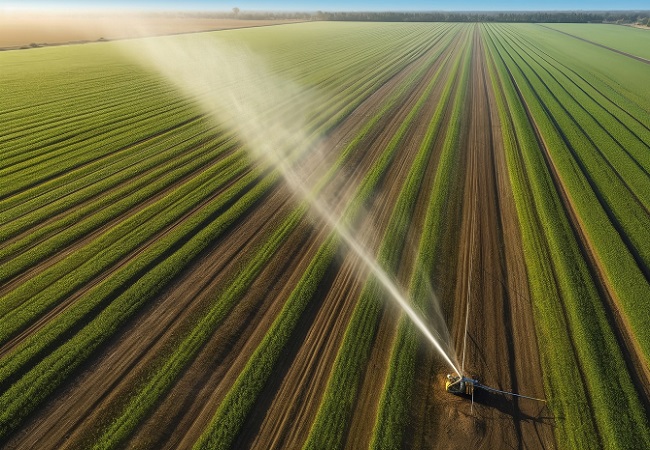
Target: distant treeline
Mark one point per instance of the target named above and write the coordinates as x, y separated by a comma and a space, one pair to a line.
627, 17
482, 16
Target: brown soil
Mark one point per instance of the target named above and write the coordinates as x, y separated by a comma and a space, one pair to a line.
501, 344
20, 30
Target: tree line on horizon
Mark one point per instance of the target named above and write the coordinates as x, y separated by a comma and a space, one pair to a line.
492, 16
640, 17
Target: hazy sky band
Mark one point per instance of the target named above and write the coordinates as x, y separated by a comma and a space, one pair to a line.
350, 5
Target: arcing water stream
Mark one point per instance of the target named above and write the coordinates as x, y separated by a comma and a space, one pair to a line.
233, 85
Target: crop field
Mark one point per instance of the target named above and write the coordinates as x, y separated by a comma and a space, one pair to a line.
163, 285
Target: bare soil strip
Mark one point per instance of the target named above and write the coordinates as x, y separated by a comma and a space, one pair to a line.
501, 349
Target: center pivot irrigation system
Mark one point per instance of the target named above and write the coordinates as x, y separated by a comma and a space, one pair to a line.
458, 383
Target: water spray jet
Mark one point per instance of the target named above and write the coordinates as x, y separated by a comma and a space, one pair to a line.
231, 84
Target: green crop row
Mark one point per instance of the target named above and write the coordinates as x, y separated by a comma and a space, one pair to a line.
395, 399
52, 237
105, 260
71, 138
29, 135
606, 153
96, 144
103, 318
141, 283
586, 378
176, 153
627, 39
538, 204
25, 303
621, 125
619, 148
59, 195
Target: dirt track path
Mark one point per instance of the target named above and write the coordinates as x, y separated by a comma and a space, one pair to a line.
501, 345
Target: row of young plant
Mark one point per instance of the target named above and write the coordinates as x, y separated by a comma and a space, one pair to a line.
122, 190
586, 379
31, 254
143, 279
90, 173
44, 360
396, 396
121, 156
539, 209
626, 153
629, 285
36, 206
621, 122
236, 406
393, 66
94, 260
618, 237
94, 142
28, 134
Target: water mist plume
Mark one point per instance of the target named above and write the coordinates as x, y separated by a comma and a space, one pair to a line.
234, 86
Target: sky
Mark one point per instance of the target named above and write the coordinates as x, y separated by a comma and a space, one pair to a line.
334, 5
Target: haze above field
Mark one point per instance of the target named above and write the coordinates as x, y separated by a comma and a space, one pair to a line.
339, 5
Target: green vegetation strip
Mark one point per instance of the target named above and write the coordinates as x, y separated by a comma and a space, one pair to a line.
43, 291
537, 203
27, 392
136, 189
